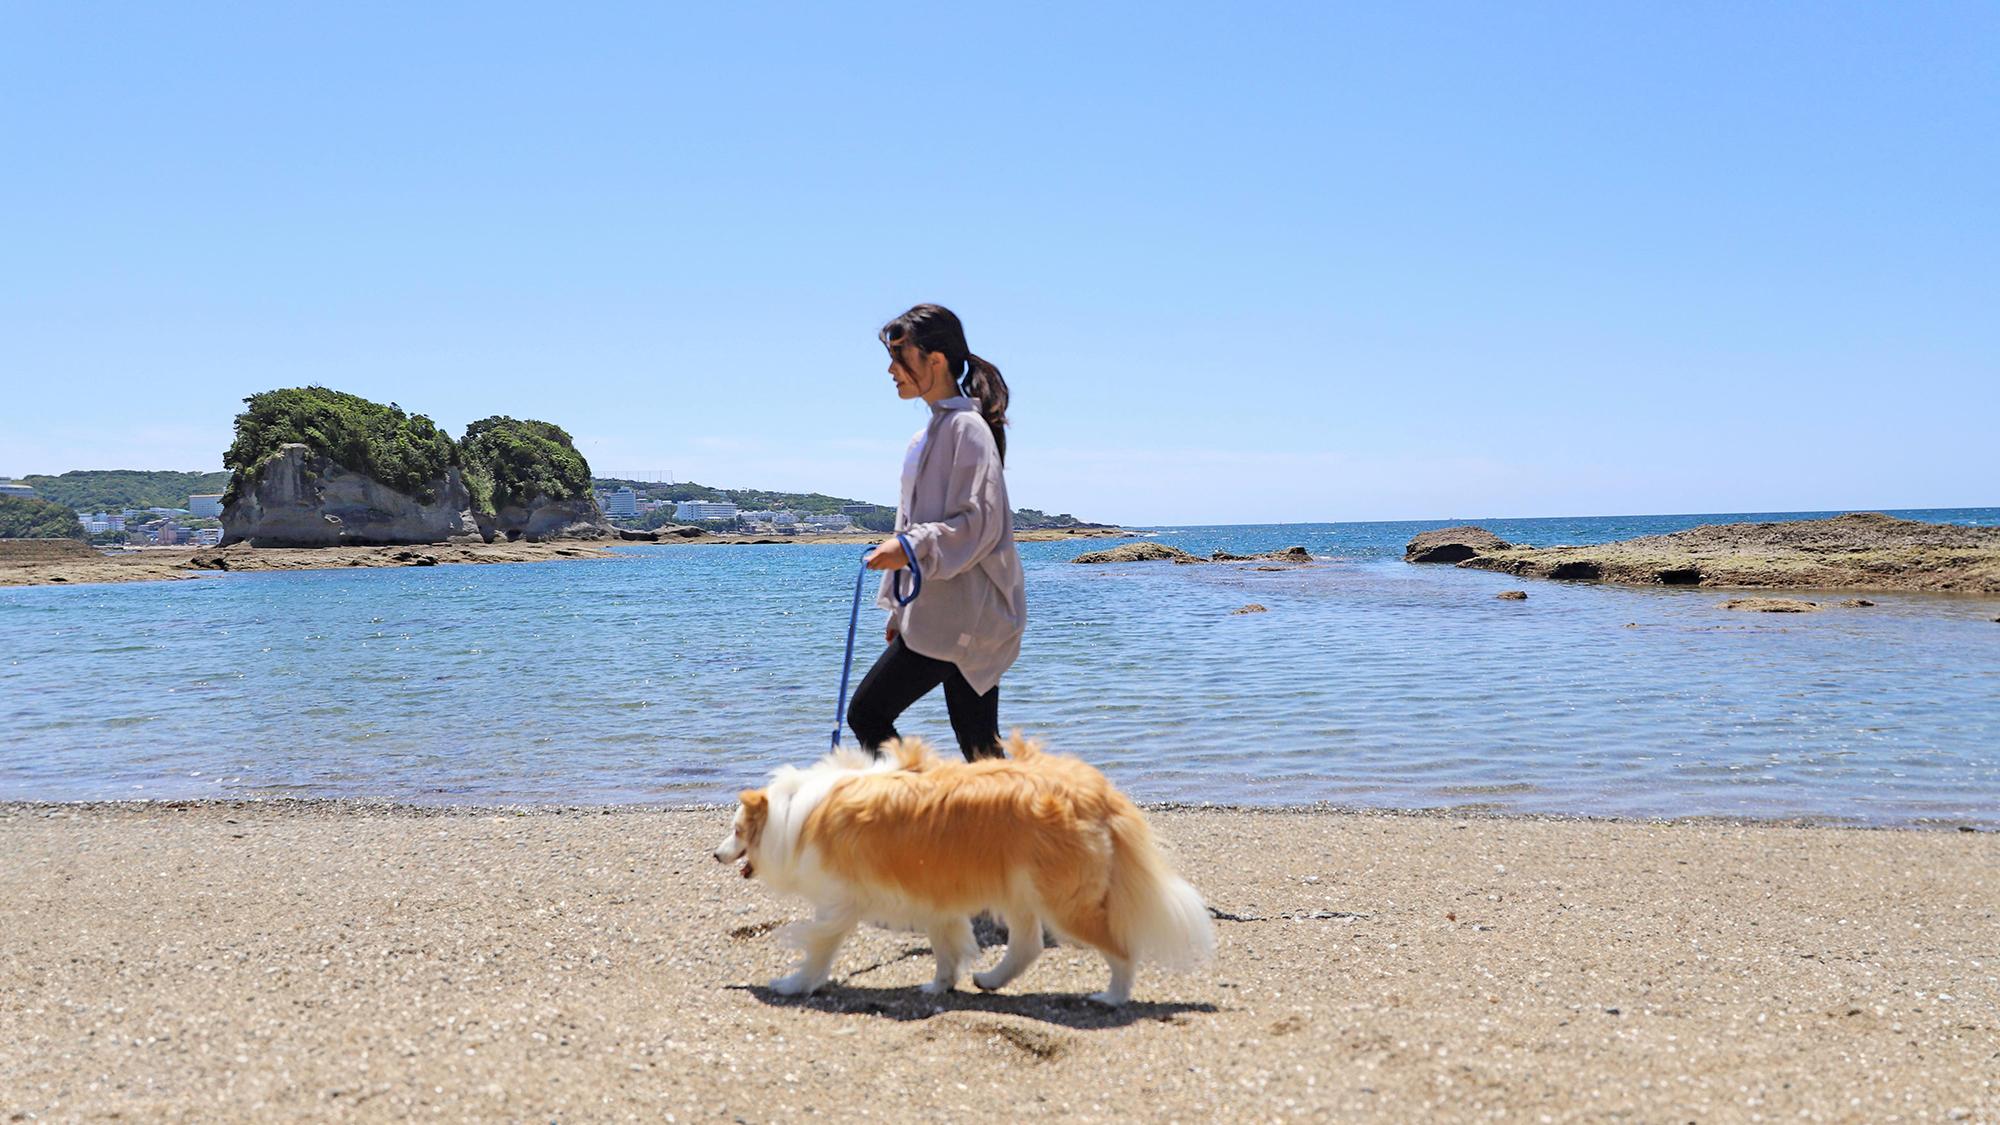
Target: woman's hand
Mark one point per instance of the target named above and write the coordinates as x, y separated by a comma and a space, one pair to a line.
888, 555
889, 634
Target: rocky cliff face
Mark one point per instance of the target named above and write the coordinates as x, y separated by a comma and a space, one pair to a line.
548, 519
298, 498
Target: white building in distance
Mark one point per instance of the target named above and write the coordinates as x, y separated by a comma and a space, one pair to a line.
621, 502
705, 510
205, 505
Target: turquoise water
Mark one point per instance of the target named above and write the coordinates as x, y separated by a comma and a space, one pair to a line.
679, 674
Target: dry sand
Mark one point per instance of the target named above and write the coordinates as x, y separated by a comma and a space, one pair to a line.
323, 961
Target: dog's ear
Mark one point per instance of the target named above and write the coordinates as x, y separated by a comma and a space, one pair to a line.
756, 810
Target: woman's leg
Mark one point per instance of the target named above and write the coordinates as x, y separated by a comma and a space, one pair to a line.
975, 718
899, 678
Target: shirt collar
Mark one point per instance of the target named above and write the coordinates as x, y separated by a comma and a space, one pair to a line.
956, 402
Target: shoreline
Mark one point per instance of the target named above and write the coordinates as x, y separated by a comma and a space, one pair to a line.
376, 806
242, 959
167, 564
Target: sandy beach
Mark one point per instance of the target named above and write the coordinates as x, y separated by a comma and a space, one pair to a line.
311, 960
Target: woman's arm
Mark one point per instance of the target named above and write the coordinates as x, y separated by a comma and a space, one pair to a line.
975, 503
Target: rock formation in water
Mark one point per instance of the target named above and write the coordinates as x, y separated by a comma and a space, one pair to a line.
529, 482
300, 498
1859, 551
1770, 605
1452, 544
1138, 552
1149, 552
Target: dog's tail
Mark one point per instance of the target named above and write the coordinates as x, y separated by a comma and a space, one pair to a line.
1154, 913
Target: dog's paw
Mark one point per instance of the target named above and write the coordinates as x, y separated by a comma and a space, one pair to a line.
936, 987
794, 984
989, 982
1108, 998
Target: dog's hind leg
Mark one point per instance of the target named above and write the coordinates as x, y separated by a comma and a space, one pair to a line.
952, 941
1121, 983
819, 939
1024, 944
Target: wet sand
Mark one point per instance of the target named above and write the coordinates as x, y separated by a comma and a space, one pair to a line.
333, 961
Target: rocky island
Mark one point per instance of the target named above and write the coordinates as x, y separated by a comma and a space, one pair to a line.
1858, 551
312, 467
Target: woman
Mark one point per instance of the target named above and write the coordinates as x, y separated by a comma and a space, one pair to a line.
964, 629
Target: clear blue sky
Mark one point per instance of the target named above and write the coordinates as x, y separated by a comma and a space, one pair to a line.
1240, 263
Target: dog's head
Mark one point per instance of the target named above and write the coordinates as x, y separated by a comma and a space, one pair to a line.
753, 809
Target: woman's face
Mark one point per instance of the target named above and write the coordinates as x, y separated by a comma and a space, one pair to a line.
915, 371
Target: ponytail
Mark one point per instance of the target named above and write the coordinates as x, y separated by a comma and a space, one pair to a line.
982, 381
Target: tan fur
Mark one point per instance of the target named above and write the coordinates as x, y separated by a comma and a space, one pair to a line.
954, 835
1040, 838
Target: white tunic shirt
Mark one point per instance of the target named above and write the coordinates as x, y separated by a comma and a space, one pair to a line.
955, 512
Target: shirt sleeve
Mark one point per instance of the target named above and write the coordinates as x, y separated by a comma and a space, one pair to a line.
975, 504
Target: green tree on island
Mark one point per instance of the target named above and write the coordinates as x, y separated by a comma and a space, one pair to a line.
512, 462
25, 517
406, 452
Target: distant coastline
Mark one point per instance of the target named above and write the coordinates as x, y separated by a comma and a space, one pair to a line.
68, 562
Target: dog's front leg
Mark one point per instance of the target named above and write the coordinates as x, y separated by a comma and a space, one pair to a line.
819, 940
952, 941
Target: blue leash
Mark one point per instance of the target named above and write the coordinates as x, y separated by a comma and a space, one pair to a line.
854, 618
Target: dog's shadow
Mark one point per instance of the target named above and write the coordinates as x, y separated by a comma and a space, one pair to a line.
908, 1004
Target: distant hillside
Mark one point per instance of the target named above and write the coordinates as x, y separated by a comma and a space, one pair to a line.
749, 498
110, 490
24, 517
882, 517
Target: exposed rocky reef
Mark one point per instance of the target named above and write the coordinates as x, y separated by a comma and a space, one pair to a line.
1452, 544
1151, 552
1861, 551
1770, 605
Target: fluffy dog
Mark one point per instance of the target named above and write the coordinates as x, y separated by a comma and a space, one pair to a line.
911, 840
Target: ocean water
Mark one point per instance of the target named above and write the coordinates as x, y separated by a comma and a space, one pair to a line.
677, 674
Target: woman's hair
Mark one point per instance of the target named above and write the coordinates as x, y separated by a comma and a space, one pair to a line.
934, 328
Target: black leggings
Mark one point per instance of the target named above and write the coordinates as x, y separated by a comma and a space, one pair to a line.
901, 677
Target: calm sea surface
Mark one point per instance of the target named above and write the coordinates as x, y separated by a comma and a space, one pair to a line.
679, 674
